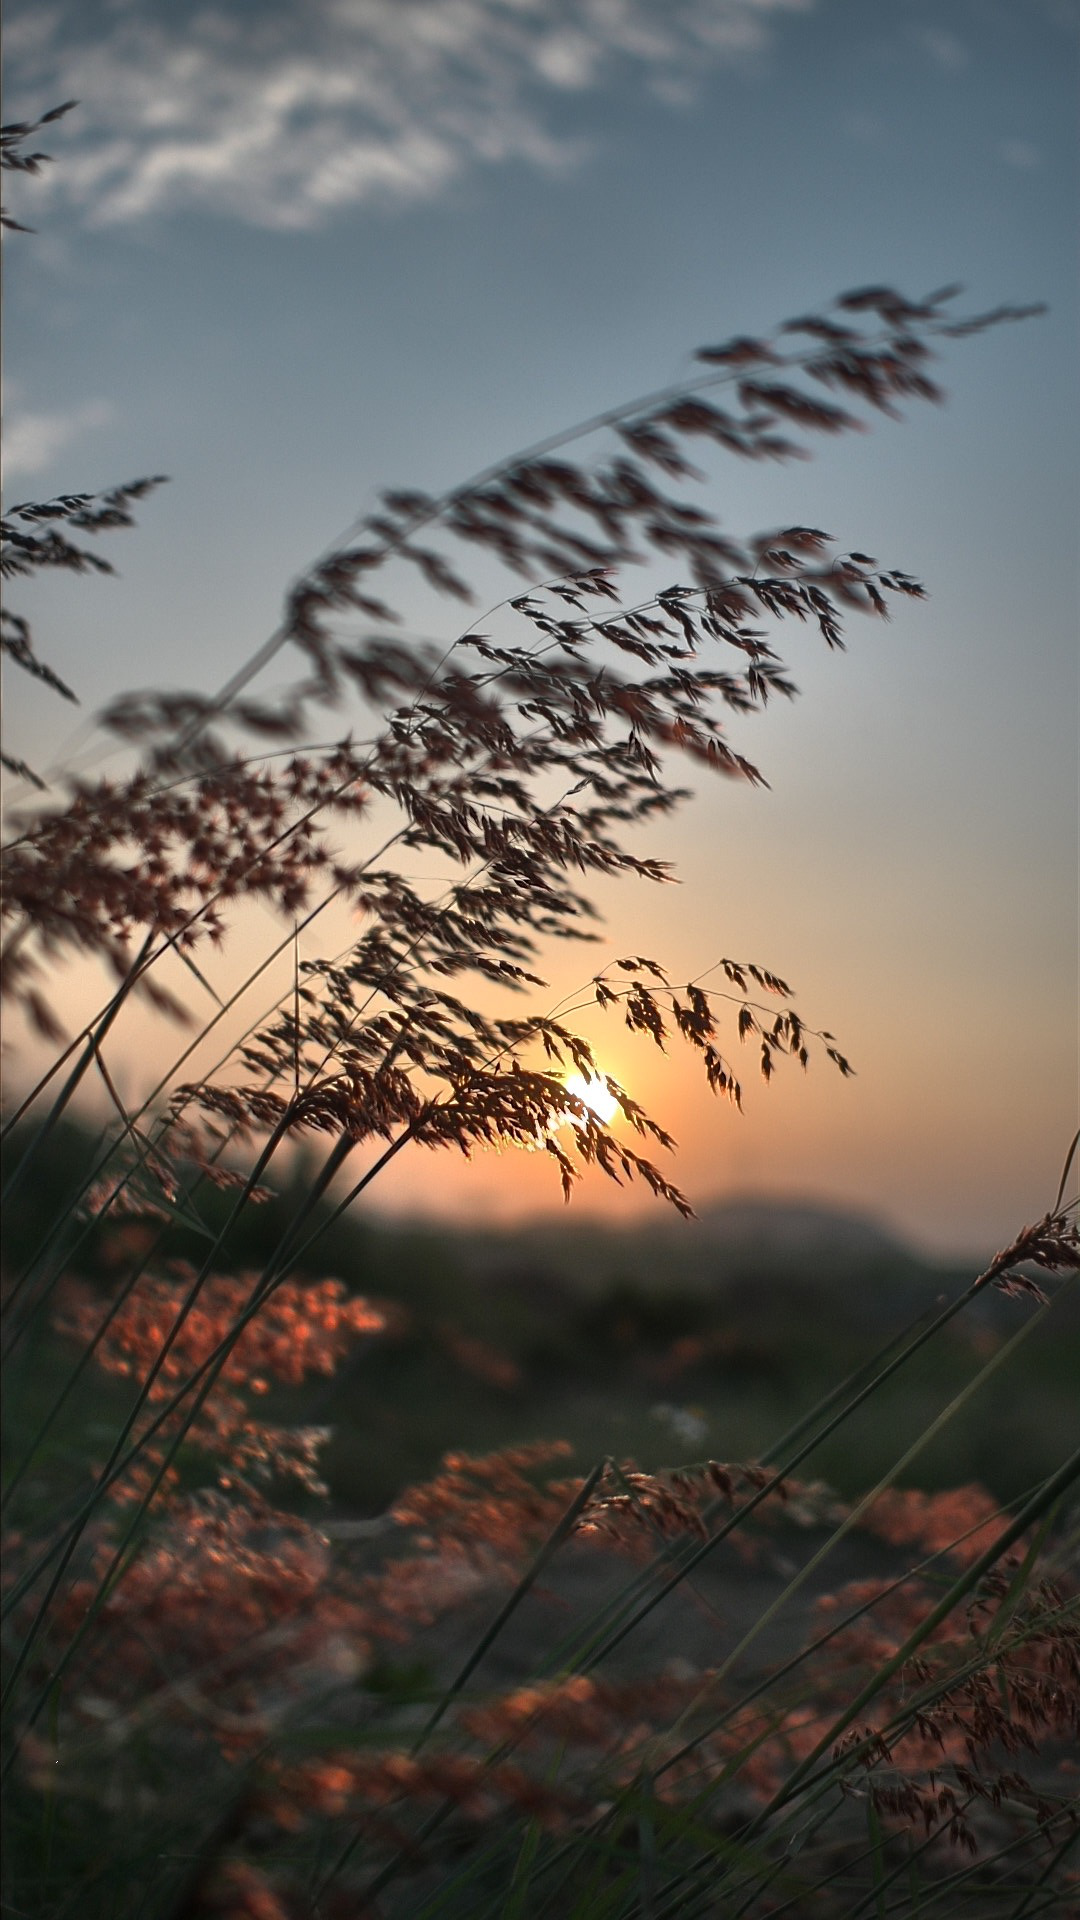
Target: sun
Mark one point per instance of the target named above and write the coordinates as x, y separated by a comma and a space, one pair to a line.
595, 1094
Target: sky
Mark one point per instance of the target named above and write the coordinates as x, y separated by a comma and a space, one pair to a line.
290, 255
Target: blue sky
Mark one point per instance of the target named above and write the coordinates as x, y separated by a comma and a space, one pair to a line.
291, 254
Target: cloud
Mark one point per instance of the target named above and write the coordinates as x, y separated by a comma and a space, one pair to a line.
33, 440
281, 114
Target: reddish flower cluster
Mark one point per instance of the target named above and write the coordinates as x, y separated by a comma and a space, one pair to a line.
230, 1612
169, 1327
488, 1504
962, 1521
302, 1327
367, 1786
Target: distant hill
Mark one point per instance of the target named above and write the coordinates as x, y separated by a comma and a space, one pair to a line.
797, 1251
801, 1231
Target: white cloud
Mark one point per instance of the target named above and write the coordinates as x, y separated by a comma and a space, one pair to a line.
33, 440
279, 113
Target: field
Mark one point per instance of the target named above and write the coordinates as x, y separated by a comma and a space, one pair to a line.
658, 1348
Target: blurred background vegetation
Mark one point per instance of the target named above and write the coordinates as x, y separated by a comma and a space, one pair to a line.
662, 1340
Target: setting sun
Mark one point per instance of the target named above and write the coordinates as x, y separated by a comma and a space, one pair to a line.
595, 1094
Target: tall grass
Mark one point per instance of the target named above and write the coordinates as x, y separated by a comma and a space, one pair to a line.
216, 1705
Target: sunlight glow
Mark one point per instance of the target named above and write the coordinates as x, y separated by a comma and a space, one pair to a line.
595, 1094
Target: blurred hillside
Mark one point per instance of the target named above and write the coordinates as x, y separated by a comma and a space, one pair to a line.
796, 1250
